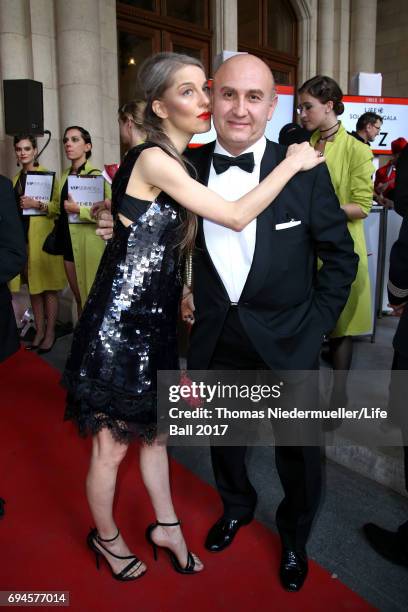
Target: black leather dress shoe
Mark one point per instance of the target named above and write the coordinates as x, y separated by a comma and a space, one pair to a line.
386, 543
223, 532
293, 569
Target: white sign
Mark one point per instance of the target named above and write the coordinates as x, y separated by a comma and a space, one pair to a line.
38, 187
282, 115
283, 112
85, 191
394, 112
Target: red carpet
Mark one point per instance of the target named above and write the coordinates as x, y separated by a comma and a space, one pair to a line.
43, 464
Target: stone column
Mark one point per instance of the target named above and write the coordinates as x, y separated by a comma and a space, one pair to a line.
325, 38
306, 14
45, 71
79, 69
225, 26
16, 62
110, 85
342, 21
363, 36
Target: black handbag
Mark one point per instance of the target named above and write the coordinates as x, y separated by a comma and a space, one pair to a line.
52, 244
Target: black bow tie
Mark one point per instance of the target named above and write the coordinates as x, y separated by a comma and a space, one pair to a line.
223, 162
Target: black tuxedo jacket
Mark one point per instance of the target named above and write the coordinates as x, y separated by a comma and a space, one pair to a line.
12, 259
286, 305
400, 195
398, 286
398, 274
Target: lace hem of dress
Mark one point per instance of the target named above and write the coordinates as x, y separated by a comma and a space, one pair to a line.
94, 405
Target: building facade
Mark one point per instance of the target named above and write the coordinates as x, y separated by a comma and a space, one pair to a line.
86, 52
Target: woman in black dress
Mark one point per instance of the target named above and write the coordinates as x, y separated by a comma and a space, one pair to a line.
128, 327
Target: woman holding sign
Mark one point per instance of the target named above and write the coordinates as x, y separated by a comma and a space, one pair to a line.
81, 248
45, 273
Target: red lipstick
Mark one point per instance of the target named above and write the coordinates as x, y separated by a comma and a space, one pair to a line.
205, 116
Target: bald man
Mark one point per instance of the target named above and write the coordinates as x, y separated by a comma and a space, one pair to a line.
258, 301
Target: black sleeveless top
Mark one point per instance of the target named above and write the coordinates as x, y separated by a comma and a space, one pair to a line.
132, 208
127, 330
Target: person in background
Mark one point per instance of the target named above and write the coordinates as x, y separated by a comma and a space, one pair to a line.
12, 260
351, 168
293, 133
393, 545
130, 118
45, 273
131, 131
367, 128
384, 183
82, 250
401, 185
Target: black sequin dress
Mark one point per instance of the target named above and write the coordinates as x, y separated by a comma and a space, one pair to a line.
127, 330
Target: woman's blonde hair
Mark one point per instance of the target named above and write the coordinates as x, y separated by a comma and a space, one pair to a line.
155, 76
133, 110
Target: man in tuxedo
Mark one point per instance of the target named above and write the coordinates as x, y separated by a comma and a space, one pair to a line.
259, 303
12, 260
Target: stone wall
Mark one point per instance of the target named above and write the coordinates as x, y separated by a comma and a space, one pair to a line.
71, 47
391, 54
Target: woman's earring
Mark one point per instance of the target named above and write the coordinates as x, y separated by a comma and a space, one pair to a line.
18, 165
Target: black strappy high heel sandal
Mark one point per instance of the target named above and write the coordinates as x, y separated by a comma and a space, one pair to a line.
190, 565
93, 537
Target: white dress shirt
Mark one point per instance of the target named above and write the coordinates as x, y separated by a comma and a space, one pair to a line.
232, 252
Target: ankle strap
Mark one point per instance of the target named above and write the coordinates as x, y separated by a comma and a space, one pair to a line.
168, 524
109, 539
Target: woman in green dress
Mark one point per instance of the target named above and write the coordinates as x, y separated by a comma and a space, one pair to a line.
350, 165
45, 273
82, 249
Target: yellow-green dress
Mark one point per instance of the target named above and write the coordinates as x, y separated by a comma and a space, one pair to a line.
45, 272
351, 169
86, 245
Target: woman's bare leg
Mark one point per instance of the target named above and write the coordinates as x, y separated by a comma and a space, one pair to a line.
37, 304
107, 455
73, 283
342, 353
154, 466
51, 311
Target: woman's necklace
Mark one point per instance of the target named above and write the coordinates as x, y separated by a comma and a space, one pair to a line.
336, 125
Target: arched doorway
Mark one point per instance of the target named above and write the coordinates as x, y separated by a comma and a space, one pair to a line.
268, 29
149, 26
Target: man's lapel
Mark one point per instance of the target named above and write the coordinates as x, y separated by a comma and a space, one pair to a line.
201, 158
263, 246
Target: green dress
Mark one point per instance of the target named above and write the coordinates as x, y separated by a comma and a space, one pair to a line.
351, 169
45, 272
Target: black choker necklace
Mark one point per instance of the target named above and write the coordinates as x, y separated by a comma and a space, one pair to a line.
330, 128
330, 135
